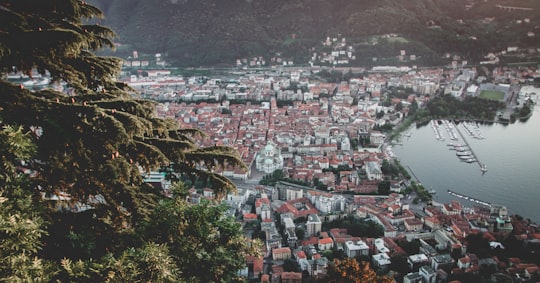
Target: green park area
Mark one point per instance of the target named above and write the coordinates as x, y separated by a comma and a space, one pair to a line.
492, 95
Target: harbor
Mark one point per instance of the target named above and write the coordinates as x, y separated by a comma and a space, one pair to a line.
513, 176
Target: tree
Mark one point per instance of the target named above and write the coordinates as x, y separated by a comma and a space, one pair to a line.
290, 265
383, 187
51, 37
21, 224
399, 106
206, 245
77, 175
300, 234
350, 270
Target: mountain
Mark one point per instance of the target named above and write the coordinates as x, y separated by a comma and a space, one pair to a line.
209, 32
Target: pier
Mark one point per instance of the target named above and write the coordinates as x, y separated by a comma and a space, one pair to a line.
414, 175
469, 198
482, 166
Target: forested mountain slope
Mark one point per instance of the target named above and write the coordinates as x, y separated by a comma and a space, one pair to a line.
207, 32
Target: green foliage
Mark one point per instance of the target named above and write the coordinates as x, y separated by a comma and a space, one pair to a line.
34, 34
473, 108
73, 205
357, 227
149, 263
300, 234
206, 245
209, 32
290, 265
273, 178
278, 175
389, 168
478, 245
21, 223
492, 94
421, 192
383, 188
410, 247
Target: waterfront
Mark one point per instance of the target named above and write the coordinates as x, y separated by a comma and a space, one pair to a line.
511, 153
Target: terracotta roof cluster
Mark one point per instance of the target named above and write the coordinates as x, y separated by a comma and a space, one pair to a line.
293, 205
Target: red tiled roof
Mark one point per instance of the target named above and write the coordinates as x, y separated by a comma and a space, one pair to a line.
325, 241
284, 250
291, 276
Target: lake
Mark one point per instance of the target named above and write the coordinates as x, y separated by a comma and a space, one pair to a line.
511, 154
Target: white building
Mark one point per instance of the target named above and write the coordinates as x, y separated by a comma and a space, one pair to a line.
313, 225
428, 273
380, 246
353, 249
413, 278
376, 138
269, 159
330, 204
373, 170
381, 261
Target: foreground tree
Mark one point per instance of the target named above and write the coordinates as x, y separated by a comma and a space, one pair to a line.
21, 224
76, 174
206, 244
350, 270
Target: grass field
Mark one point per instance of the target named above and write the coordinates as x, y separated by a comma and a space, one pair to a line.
492, 94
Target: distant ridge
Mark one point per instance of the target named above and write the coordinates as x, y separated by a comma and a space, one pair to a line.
209, 32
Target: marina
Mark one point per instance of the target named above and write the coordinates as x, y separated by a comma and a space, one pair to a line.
464, 152
472, 156
513, 176
437, 130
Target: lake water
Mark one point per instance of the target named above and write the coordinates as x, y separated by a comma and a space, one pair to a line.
511, 154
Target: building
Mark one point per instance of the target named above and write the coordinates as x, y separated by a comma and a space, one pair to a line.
281, 253
291, 277
381, 261
464, 262
354, 249
417, 260
443, 261
373, 170
269, 159
453, 208
429, 275
289, 191
328, 204
377, 138
414, 277
313, 225
380, 246
325, 244
413, 224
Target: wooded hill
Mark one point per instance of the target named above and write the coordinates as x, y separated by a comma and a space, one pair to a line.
209, 32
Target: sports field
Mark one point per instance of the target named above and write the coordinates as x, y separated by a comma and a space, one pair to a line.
492, 94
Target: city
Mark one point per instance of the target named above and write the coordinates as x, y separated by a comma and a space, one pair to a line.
326, 138
277, 141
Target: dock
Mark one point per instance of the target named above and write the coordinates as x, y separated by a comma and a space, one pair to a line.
462, 196
482, 165
414, 175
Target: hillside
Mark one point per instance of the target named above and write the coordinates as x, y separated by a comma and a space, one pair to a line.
208, 32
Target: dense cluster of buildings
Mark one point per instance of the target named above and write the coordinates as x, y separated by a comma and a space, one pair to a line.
280, 120
441, 230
